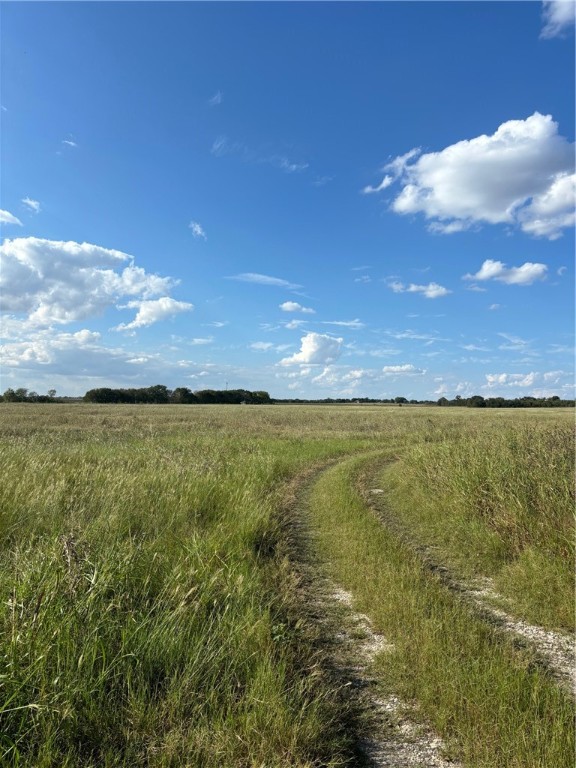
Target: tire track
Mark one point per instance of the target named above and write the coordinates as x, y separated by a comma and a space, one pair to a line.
556, 651
388, 731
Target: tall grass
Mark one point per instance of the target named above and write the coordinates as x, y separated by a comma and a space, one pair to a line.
149, 612
143, 621
485, 696
497, 499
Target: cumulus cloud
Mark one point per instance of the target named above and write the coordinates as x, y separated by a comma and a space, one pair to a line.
7, 218
150, 312
316, 349
57, 282
405, 370
430, 291
521, 175
511, 379
526, 274
558, 17
32, 205
293, 306
197, 230
255, 277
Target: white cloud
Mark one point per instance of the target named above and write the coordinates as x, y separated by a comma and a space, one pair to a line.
384, 184
558, 17
521, 175
405, 370
254, 277
69, 142
430, 291
316, 349
511, 379
293, 306
514, 342
216, 99
56, 282
355, 324
32, 205
553, 210
150, 312
261, 346
224, 146
294, 324
7, 218
200, 341
494, 306
197, 230
526, 274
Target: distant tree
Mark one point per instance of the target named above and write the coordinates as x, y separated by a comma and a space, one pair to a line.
400, 400
51, 393
476, 401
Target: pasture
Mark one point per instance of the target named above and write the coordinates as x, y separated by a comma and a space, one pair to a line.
154, 598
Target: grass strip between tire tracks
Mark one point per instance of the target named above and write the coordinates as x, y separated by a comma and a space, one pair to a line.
483, 694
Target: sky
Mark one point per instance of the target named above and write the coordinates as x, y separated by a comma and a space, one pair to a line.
316, 199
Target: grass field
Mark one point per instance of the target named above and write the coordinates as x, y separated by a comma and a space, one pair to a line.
150, 609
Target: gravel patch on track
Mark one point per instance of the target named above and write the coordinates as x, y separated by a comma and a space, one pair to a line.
557, 651
397, 740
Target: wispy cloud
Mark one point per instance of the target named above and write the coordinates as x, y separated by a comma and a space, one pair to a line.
355, 324
8, 218
558, 17
255, 277
213, 101
197, 230
406, 370
262, 346
526, 274
321, 181
430, 291
32, 205
223, 146
69, 142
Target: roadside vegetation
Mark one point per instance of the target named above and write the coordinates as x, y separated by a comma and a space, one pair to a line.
150, 610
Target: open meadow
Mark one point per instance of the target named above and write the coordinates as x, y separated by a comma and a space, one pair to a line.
157, 565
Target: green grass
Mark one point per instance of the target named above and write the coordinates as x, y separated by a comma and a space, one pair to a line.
150, 611
143, 599
496, 499
486, 697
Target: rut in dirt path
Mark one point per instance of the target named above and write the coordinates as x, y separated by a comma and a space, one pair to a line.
394, 737
556, 651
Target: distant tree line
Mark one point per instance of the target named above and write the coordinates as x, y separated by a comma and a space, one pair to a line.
477, 401
22, 395
159, 394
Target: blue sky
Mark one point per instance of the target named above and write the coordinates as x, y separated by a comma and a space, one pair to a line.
316, 199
